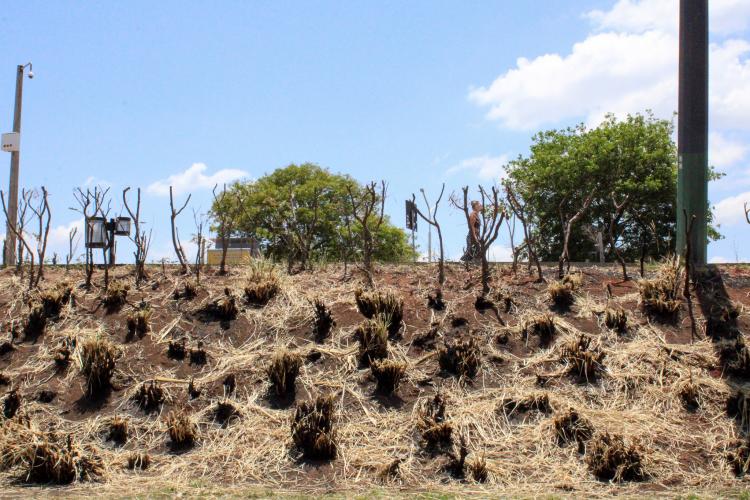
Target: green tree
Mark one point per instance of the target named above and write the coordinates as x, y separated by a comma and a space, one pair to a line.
632, 160
299, 214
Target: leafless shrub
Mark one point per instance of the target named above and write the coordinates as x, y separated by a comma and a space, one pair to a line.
182, 431
388, 374
462, 358
282, 372
610, 459
97, 361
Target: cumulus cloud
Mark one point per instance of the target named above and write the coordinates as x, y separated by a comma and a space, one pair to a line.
724, 152
485, 167
194, 178
730, 211
627, 64
500, 253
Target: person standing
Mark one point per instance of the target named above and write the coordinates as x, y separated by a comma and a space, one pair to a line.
473, 248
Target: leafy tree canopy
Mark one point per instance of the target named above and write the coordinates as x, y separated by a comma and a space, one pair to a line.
634, 158
302, 212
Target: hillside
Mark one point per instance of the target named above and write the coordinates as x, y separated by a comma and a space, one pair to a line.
527, 398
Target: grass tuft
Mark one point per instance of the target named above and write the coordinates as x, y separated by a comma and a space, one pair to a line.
312, 429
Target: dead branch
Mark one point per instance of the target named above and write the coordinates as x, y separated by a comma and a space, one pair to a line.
363, 206
567, 229
175, 235
619, 210
18, 231
432, 220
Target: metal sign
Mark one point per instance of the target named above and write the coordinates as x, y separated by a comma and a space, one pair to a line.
96, 232
11, 142
411, 215
122, 226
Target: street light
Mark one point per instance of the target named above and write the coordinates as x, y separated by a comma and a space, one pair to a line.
9, 256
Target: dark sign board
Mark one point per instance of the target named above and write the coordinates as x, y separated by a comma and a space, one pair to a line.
411, 215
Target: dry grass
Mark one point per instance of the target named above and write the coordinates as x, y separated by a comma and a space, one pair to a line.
542, 326
582, 361
313, 430
610, 459
182, 431
138, 320
115, 296
387, 305
561, 294
97, 358
462, 358
138, 461
388, 375
637, 396
372, 336
660, 296
324, 321
149, 397
11, 403
615, 318
263, 284
282, 372
117, 431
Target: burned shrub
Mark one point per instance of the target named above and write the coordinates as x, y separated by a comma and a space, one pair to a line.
4, 379
388, 375
11, 403
504, 298
484, 303
149, 397
224, 412
225, 308
561, 294
36, 322
429, 337
435, 301
689, 395
138, 320
660, 296
738, 456
533, 403
198, 355
462, 358
457, 459
722, 321
117, 431
63, 352
372, 335
478, 470
116, 296
543, 326
46, 396
433, 424
259, 293
97, 357
188, 291
735, 356
616, 319
54, 299
182, 431
609, 458
282, 372
324, 321
47, 461
193, 391
571, 427
140, 461
229, 384
176, 349
312, 429
386, 305
582, 361
738, 407
6, 347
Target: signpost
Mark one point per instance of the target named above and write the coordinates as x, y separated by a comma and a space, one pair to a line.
411, 222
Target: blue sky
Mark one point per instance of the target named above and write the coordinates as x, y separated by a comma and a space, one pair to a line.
417, 93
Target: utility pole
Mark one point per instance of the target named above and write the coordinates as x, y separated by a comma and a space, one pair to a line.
692, 129
10, 236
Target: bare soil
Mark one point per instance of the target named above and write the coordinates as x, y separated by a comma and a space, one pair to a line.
636, 395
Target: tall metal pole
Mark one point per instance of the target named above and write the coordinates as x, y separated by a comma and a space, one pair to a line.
692, 128
10, 236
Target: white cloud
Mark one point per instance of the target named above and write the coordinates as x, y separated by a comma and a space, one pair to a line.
628, 64
194, 179
500, 253
724, 152
730, 211
485, 167
718, 259
725, 16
